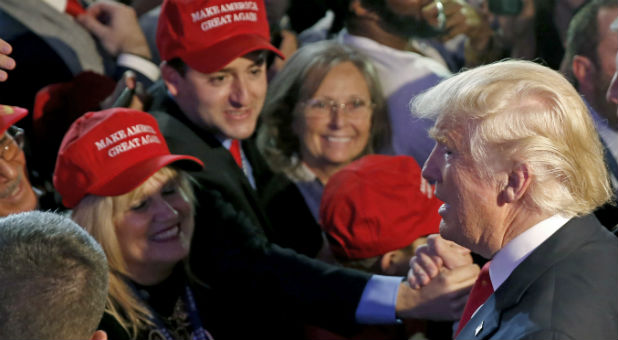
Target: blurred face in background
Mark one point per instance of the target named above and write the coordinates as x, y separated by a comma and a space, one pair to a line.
16, 194
334, 124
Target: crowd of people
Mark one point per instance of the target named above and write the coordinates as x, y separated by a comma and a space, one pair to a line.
222, 169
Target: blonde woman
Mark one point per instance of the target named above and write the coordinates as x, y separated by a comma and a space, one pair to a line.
115, 171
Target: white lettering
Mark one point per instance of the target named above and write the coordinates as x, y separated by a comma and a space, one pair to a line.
204, 13
150, 139
245, 16
111, 139
140, 128
216, 22
239, 6
123, 147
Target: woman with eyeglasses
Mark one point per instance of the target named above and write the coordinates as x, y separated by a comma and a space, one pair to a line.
115, 171
324, 109
16, 193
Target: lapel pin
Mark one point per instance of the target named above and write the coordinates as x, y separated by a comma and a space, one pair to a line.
478, 329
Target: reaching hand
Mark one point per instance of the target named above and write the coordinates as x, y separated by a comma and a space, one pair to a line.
432, 256
6, 63
461, 18
117, 28
443, 298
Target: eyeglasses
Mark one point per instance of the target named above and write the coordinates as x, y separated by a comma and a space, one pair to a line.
353, 108
12, 143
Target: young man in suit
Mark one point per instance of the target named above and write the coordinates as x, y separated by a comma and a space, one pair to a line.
214, 86
520, 169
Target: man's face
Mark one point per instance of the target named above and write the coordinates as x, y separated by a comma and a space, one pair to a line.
606, 65
16, 194
227, 102
404, 18
470, 211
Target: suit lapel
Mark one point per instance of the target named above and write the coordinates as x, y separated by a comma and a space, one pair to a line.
561, 244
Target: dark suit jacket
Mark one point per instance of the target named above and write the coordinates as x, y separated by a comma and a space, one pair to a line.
233, 248
565, 289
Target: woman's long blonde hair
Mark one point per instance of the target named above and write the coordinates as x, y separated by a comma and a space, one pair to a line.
96, 214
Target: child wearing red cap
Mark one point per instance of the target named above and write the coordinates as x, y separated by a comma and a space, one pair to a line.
374, 209
126, 189
374, 212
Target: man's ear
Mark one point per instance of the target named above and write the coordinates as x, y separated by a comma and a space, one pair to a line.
584, 72
390, 262
517, 183
358, 10
171, 77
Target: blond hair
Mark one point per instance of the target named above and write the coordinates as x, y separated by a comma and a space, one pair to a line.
97, 214
519, 111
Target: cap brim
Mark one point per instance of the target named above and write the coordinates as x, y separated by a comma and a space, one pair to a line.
10, 115
134, 176
215, 57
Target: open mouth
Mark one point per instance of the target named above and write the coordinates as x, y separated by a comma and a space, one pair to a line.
167, 234
237, 114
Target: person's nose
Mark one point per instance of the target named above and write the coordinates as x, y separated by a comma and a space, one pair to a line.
165, 210
239, 92
336, 116
612, 91
431, 168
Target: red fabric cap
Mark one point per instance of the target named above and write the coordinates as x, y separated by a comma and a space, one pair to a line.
110, 153
375, 205
10, 115
209, 34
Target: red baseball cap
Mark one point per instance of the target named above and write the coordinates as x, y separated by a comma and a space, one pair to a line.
375, 205
110, 153
209, 34
10, 115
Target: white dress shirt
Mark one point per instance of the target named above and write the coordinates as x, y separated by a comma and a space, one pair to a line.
518, 249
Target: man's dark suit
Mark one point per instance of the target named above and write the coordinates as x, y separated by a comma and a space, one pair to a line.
567, 288
233, 248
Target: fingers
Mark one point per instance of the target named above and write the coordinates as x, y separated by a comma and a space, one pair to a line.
422, 270
123, 93
462, 277
434, 14
6, 62
90, 22
450, 252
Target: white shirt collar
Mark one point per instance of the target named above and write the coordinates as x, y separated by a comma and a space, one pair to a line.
59, 5
514, 252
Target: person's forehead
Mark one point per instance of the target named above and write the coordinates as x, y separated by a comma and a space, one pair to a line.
251, 58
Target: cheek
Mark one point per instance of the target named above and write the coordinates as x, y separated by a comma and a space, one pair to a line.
364, 131
131, 228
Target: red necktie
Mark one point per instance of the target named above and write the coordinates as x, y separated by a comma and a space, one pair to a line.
74, 8
235, 150
480, 292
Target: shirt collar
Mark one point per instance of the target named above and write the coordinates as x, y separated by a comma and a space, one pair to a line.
514, 252
59, 5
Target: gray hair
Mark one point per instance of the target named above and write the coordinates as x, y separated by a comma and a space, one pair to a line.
53, 278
